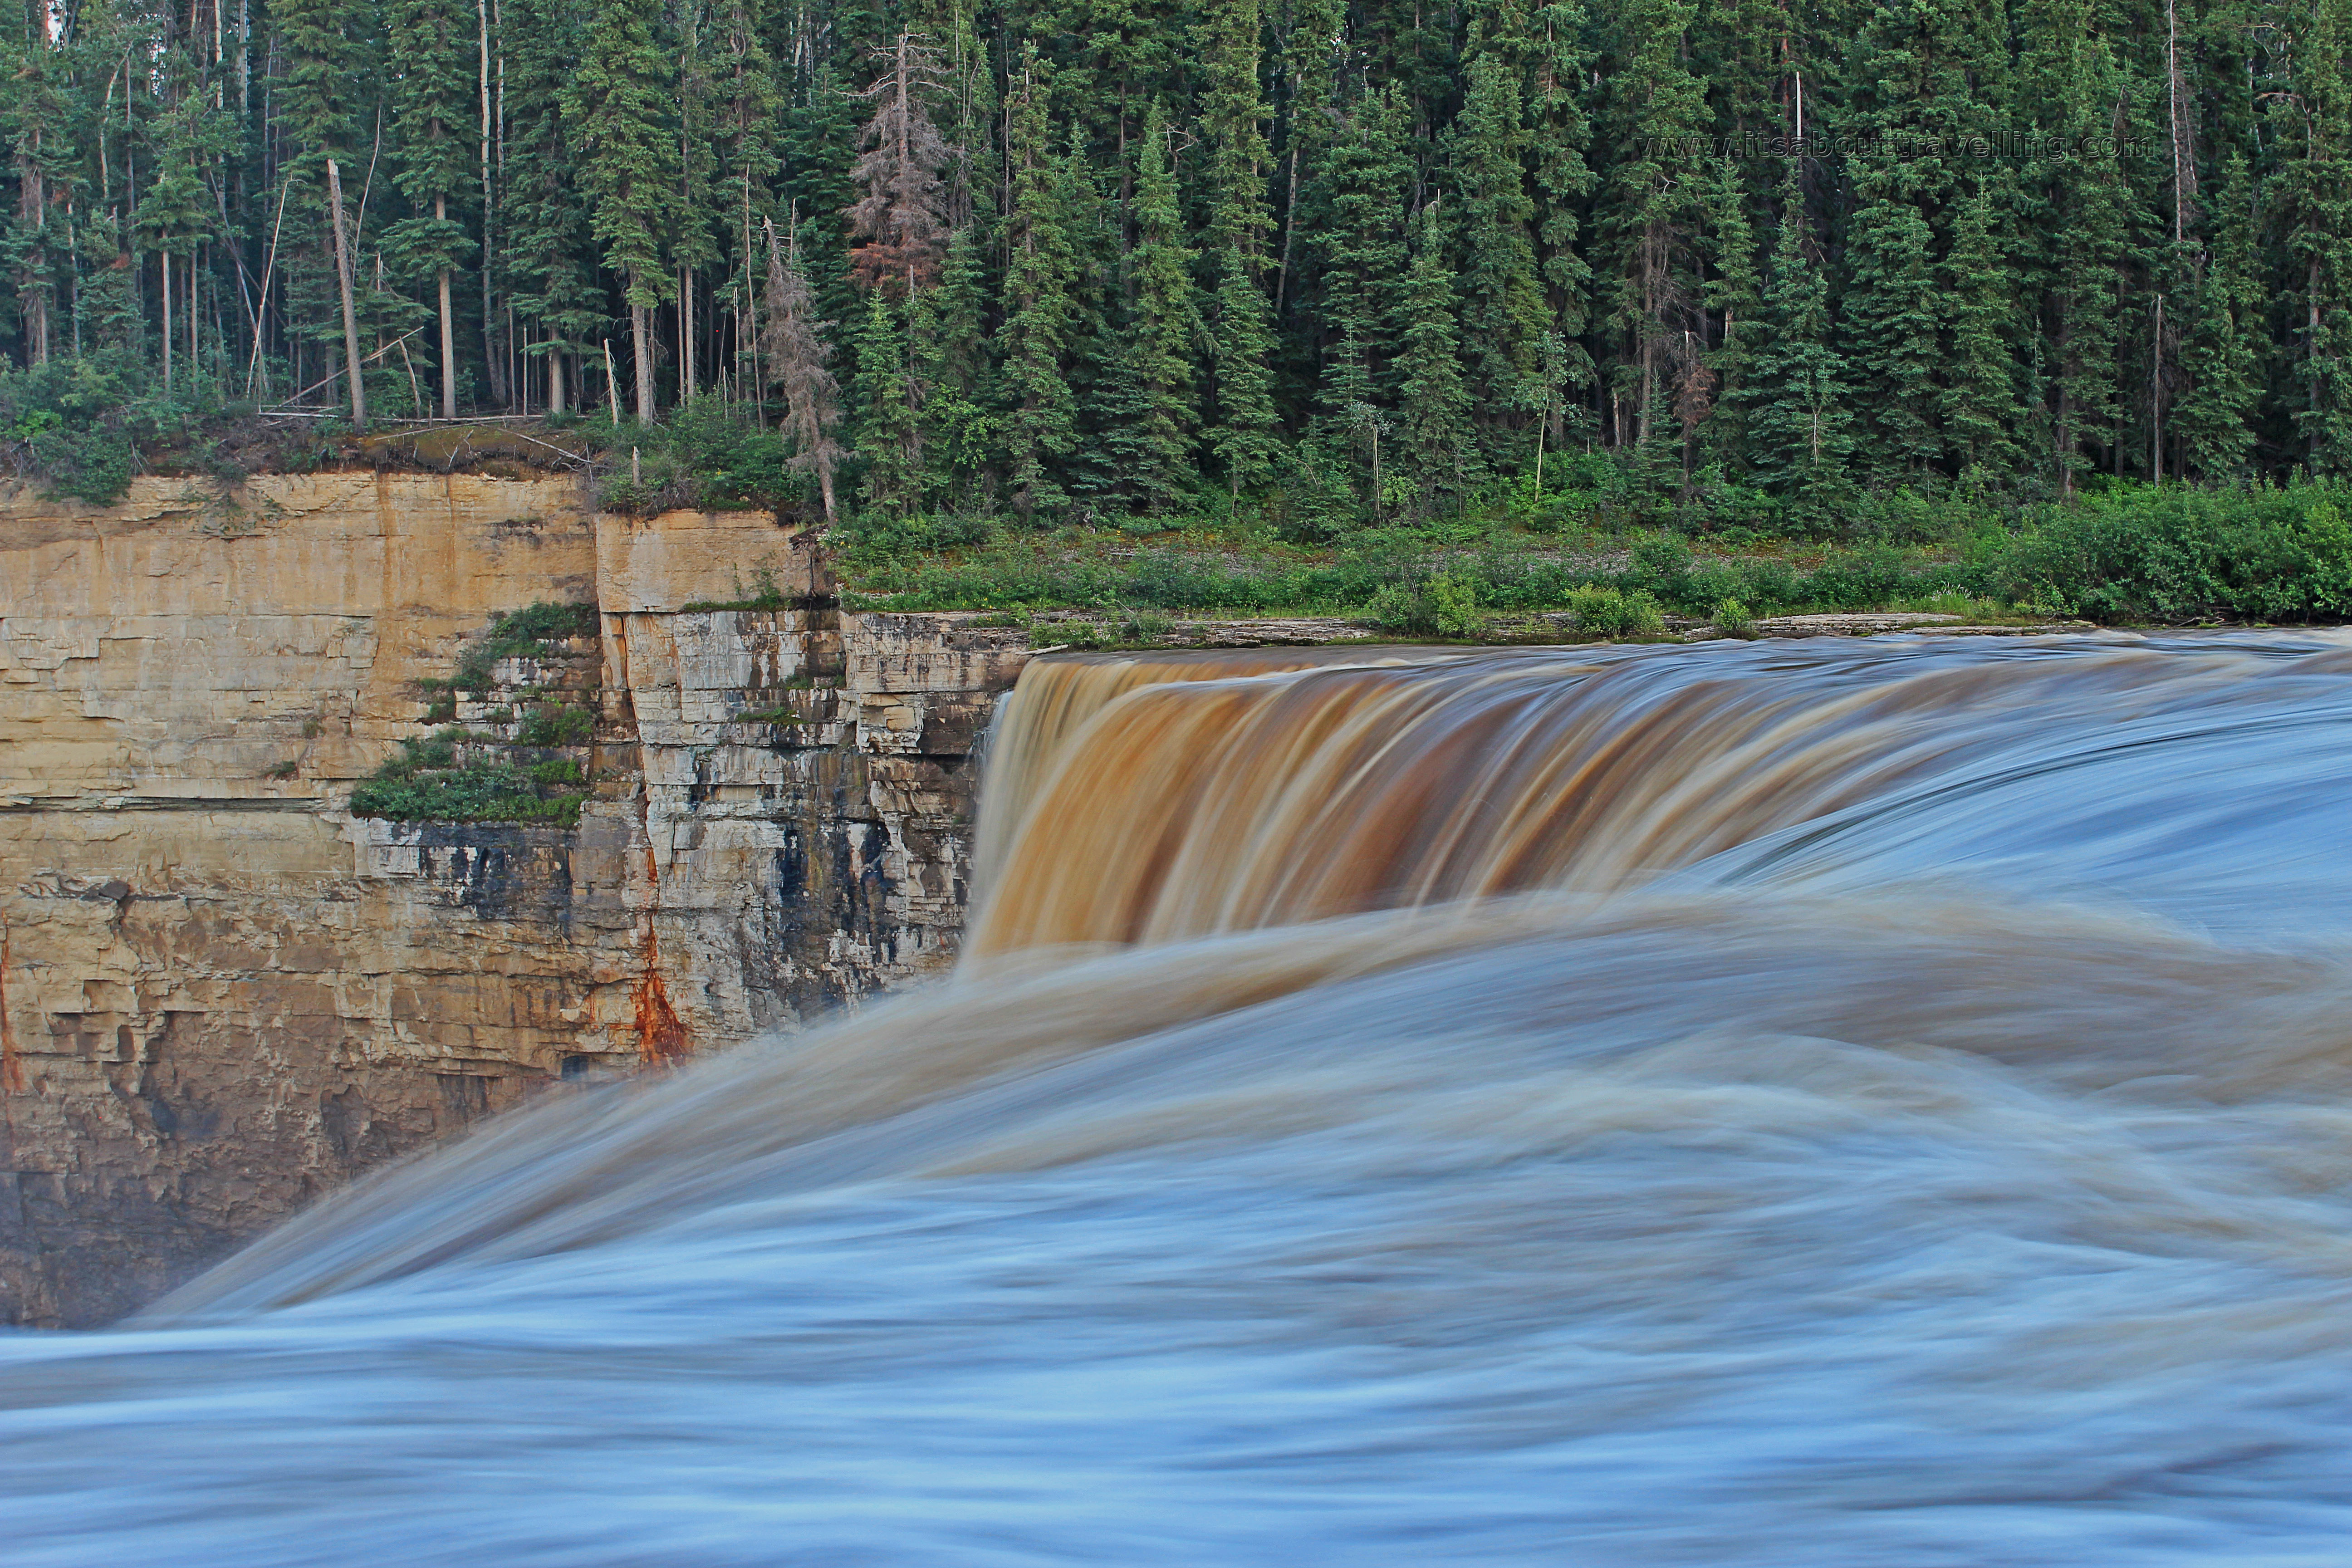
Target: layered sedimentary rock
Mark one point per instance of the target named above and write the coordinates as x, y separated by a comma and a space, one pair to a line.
220, 993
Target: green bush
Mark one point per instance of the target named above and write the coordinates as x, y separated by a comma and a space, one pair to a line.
1144, 627
1400, 607
1439, 605
556, 724
427, 782
483, 792
1661, 568
1613, 613
1732, 619
2141, 554
81, 426
1454, 606
522, 633
708, 453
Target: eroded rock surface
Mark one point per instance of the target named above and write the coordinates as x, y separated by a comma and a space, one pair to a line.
220, 995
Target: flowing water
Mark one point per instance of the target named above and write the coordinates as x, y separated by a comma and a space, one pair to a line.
1882, 1103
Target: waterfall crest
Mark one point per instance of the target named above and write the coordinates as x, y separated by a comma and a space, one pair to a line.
1161, 799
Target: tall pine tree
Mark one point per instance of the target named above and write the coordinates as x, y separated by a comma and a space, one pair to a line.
619, 102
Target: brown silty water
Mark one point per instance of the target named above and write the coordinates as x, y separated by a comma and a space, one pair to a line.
1149, 798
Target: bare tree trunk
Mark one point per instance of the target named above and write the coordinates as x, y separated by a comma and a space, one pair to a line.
641, 334
448, 356
555, 382
1289, 230
344, 280
33, 210
491, 358
2311, 306
448, 332
612, 386
166, 257
748, 326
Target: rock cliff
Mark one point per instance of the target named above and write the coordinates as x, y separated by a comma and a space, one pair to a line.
221, 994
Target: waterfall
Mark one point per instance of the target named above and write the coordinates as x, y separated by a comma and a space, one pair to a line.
1837, 1104
1157, 798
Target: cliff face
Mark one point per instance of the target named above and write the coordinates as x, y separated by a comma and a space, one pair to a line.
221, 994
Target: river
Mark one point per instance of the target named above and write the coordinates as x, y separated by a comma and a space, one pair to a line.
1817, 1103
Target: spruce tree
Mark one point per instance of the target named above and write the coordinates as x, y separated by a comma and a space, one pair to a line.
1732, 294
2220, 355
1503, 307
2311, 198
547, 254
1892, 340
821, 124
1150, 430
748, 103
1978, 404
432, 102
1658, 117
1364, 183
696, 218
1564, 183
1241, 325
37, 118
322, 107
2072, 201
1434, 440
619, 103
954, 372
177, 214
887, 436
900, 219
106, 317
1799, 400
1040, 424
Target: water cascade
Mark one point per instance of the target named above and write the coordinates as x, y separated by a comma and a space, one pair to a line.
1829, 1104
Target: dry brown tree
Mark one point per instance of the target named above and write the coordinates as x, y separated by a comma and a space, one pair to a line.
792, 341
900, 226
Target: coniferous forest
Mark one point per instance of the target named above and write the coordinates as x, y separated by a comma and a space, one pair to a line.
1358, 260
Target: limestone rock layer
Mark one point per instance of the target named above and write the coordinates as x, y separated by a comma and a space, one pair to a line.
220, 994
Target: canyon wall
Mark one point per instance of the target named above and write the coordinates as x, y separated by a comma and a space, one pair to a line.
220, 994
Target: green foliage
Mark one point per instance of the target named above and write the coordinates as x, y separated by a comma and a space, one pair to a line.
457, 776
1439, 605
1148, 426
1328, 268
1733, 619
1433, 438
82, 427
1143, 628
707, 456
555, 724
1614, 612
1502, 568
2177, 554
407, 790
1798, 395
524, 632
